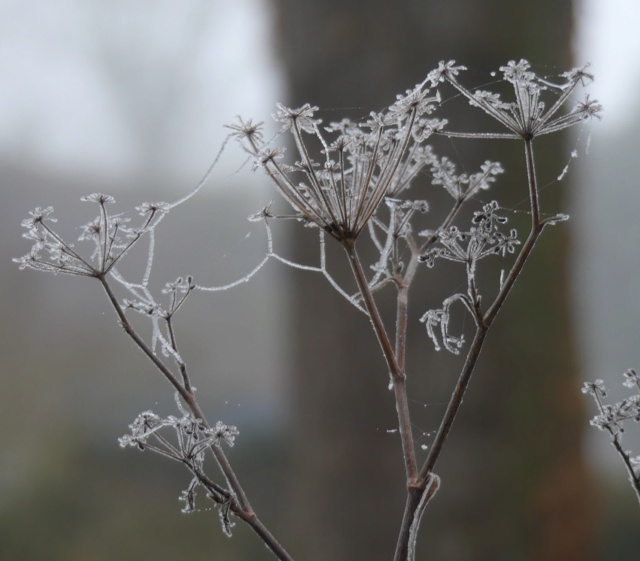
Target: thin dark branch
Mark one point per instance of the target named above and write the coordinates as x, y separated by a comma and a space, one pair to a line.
398, 376
414, 499
244, 510
633, 477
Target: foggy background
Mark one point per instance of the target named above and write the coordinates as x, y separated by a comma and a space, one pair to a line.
130, 98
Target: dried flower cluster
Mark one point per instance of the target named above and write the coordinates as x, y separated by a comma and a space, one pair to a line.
111, 235
362, 163
193, 439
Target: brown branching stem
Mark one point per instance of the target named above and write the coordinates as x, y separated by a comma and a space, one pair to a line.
398, 376
415, 498
240, 505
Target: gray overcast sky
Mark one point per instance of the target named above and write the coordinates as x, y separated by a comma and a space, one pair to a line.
57, 105
71, 68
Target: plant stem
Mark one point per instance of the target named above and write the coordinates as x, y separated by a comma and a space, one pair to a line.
454, 403
532, 183
414, 499
397, 373
242, 508
633, 478
265, 535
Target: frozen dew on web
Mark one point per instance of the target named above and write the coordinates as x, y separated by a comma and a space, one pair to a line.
264, 215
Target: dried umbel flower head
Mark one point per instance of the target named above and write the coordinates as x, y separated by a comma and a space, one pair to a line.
528, 116
110, 234
361, 164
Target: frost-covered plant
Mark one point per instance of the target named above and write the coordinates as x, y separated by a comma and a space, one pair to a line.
349, 180
611, 418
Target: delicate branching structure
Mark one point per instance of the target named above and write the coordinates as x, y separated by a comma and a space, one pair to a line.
112, 237
349, 180
611, 418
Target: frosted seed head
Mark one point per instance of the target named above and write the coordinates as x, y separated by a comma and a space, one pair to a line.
301, 117
37, 216
247, 130
99, 198
445, 71
579, 75
153, 208
631, 379
589, 108
595, 389
518, 72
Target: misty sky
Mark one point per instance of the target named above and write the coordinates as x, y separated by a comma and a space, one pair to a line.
68, 66
87, 81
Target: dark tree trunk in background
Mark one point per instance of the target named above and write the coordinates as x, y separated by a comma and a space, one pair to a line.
514, 482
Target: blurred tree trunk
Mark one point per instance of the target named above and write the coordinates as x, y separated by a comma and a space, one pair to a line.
515, 484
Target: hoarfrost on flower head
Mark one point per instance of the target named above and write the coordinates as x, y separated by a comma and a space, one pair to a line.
301, 117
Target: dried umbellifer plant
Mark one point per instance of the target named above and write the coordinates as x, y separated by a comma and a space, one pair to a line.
358, 187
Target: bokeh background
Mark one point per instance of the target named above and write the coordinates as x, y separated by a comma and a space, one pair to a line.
130, 98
